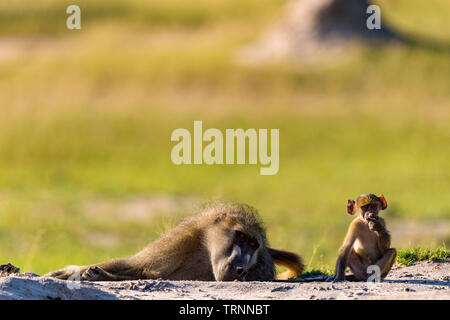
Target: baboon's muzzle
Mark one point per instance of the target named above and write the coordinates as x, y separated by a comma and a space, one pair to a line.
234, 271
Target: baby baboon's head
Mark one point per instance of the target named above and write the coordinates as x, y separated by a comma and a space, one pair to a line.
367, 206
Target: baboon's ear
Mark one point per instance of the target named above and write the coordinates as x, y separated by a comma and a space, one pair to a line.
383, 202
350, 206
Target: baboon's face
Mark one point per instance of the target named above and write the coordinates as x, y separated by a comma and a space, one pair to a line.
369, 212
234, 253
367, 206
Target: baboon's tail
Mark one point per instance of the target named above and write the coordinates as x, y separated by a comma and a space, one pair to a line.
287, 259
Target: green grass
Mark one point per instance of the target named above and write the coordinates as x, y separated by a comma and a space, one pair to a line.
22, 17
86, 118
408, 257
314, 273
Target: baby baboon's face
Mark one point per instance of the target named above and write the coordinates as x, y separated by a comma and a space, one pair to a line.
367, 205
234, 253
369, 212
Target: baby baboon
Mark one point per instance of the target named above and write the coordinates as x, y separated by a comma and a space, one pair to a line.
367, 241
223, 243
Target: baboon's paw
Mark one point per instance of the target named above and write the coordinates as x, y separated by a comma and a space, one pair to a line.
93, 274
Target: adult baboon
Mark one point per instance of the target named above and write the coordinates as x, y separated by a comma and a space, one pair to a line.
223, 243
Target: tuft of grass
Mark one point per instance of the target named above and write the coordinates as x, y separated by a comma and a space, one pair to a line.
315, 273
408, 257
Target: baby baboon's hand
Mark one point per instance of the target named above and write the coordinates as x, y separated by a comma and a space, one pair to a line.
375, 225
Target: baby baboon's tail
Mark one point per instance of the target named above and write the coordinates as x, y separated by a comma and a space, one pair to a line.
291, 261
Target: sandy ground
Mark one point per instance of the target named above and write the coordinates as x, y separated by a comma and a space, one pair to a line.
424, 280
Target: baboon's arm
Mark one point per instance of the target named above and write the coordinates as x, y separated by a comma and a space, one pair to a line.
96, 273
344, 252
168, 254
384, 238
115, 270
111, 270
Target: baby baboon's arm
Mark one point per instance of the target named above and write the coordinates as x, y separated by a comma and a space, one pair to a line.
344, 252
384, 238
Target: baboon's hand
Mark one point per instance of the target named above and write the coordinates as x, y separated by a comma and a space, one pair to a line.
375, 225
95, 273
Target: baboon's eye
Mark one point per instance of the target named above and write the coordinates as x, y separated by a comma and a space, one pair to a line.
240, 234
254, 245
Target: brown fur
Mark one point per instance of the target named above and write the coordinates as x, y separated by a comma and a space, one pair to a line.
289, 260
200, 248
367, 241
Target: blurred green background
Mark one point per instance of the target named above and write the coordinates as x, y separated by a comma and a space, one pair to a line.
86, 118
